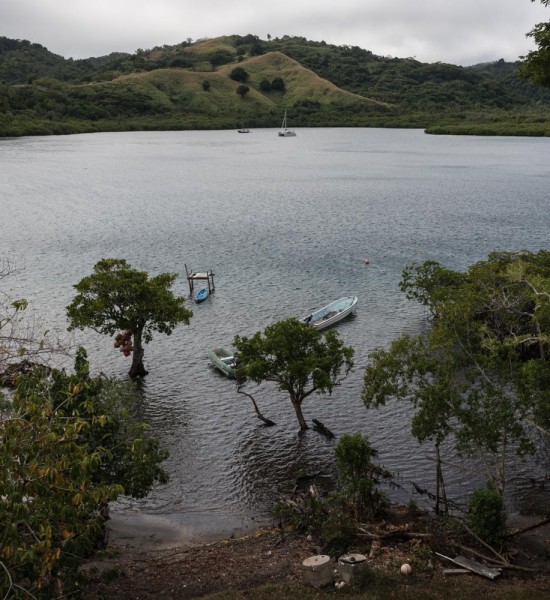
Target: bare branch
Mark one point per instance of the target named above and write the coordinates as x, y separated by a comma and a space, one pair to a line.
268, 422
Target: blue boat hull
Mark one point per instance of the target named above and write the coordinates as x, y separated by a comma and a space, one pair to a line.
201, 295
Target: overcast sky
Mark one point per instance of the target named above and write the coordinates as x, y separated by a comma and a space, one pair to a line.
462, 32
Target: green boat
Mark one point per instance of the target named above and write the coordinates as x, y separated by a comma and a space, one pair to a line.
223, 360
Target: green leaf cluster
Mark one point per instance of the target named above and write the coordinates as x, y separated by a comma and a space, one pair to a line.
336, 517
299, 359
116, 297
69, 446
359, 476
481, 371
486, 516
536, 65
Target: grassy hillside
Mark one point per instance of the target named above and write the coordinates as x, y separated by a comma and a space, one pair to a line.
300, 82
193, 85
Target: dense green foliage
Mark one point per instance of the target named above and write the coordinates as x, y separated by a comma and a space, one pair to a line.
481, 374
486, 516
242, 90
536, 65
300, 360
358, 477
118, 298
239, 74
357, 499
42, 93
69, 447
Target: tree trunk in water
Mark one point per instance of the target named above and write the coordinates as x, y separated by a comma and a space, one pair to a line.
298, 408
138, 368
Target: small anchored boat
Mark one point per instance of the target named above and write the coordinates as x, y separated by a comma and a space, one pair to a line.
201, 295
286, 131
223, 360
332, 313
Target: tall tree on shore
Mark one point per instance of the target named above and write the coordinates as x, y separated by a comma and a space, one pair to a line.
482, 372
300, 360
117, 298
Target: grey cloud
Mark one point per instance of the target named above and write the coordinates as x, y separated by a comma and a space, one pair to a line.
463, 32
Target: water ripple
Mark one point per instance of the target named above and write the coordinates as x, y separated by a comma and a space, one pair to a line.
286, 228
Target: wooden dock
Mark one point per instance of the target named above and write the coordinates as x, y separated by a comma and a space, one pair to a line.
193, 276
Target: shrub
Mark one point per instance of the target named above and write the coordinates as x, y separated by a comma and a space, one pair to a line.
358, 476
239, 74
336, 516
242, 90
221, 58
278, 84
487, 516
265, 85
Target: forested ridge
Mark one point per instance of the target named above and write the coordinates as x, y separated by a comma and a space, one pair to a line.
222, 82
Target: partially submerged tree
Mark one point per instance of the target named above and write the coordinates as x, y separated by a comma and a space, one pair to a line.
118, 298
482, 371
299, 359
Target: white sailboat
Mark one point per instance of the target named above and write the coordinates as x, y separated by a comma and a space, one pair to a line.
285, 131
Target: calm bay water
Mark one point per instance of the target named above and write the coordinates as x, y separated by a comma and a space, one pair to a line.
285, 224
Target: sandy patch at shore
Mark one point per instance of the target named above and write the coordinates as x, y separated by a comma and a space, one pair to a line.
139, 532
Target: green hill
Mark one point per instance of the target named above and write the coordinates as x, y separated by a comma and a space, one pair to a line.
222, 82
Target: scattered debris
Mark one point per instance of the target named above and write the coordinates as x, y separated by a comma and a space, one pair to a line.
473, 566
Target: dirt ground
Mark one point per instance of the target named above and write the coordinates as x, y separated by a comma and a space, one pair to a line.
155, 560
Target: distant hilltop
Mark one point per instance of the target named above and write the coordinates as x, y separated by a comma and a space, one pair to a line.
233, 80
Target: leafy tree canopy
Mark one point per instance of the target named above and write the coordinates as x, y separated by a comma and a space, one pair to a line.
69, 446
242, 90
116, 297
536, 65
278, 84
239, 74
482, 371
299, 359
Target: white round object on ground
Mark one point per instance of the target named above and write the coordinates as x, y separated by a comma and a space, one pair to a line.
406, 569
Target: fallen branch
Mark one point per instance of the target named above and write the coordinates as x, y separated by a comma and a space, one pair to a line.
392, 536
318, 426
268, 422
540, 524
475, 536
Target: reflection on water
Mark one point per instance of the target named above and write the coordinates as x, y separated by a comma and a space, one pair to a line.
286, 226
